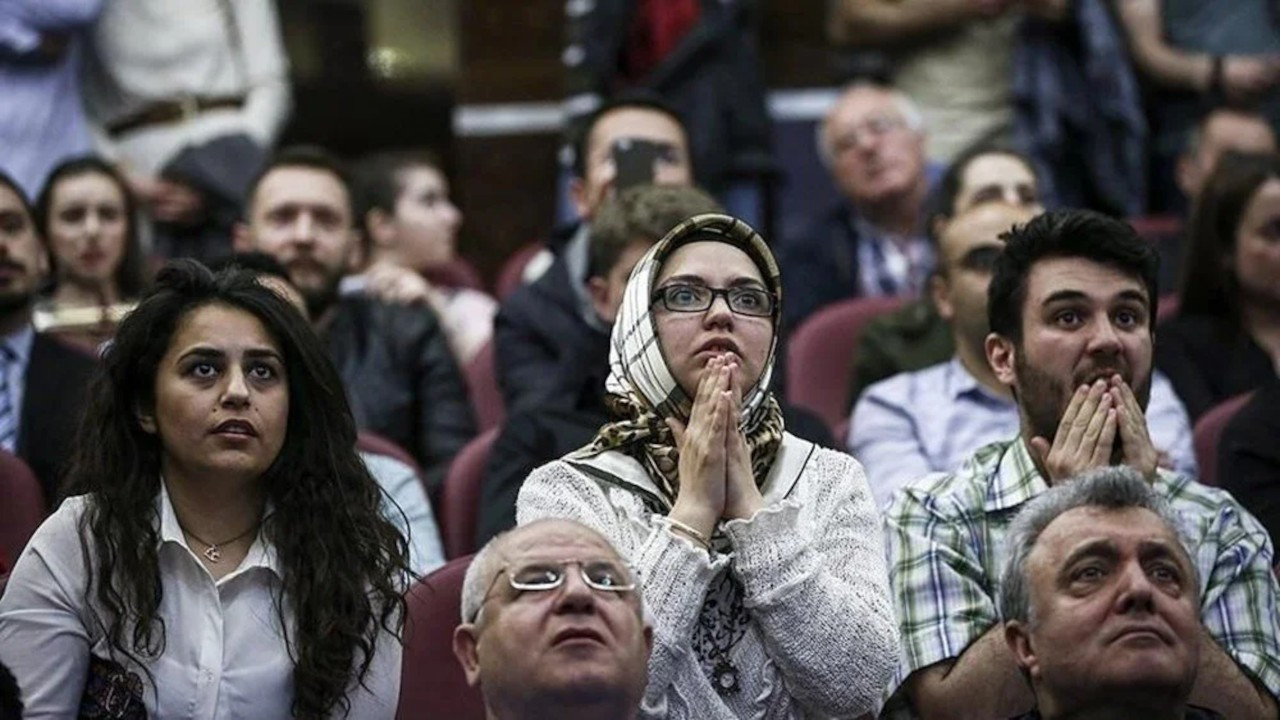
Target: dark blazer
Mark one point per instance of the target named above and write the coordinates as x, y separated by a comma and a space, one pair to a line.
56, 388
1209, 360
402, 380
820, 265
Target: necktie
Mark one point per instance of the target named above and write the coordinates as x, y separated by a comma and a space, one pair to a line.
8, 413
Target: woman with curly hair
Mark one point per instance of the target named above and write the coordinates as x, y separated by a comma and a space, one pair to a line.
759, 553
223, 555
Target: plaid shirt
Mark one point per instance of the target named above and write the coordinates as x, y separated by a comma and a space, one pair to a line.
946, 545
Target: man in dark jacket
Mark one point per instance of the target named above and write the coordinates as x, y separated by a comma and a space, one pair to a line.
400, 376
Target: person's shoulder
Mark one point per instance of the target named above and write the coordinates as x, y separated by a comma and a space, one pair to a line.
817, 231
60, 532
398, 320
897, 390
49, 351
960, 493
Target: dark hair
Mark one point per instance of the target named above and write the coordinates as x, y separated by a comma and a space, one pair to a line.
379, 181
131, 274
1210, 111
1209, 285
259, 263
646, 212
7, 181
1064, 234
942, 201
637, 99
343, 564
311, 157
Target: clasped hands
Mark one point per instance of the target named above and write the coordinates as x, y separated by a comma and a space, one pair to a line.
1098, 415
716, 482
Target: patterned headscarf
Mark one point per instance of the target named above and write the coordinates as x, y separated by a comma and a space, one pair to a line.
641, 391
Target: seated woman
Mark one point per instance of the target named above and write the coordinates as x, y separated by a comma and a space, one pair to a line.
761, 555
410, 225
1225, 339
88, 220
224, 554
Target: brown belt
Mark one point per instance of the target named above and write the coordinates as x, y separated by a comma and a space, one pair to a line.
172, 111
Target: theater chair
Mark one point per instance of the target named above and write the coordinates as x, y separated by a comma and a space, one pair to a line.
459, 505
820, 356
481, 376
432, 684
457, 273
22, 505
511, 276
375, 444
1208, 433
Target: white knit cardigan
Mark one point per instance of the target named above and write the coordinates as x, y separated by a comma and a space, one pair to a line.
822, 640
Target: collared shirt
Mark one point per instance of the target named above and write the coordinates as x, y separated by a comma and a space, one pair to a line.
224, 653
946, 539
19, 342
889, 264
931, 420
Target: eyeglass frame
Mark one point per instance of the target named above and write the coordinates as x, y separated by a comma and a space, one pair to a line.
659, 296
505, 568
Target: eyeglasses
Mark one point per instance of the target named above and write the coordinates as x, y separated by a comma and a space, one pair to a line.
873, 128
751, 301
600, 574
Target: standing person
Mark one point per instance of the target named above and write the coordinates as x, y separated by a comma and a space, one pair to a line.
88, 219
759, 553
1226, 337
42, 119
224, 555
189, 96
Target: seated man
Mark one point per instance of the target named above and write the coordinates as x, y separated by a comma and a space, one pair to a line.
395, 362
931, 420
1069, 307
553, 626
1100, 603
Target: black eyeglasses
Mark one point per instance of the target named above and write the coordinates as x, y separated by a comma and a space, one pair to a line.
751, 301
600, 574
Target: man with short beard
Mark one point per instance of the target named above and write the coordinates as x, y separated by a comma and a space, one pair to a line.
1070, 306
42, 381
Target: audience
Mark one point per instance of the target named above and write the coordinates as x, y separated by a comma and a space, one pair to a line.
757, 551
931, 420
224, 553
872, 242
1100, 604
410, 224
42, 381
89, 223
400, 376
553, 625
1226, 337
914, 337
42, 121
1249, 456
1069, 306
550, 320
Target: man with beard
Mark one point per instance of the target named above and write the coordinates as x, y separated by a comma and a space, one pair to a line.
42, 381
1070, 307
395, 362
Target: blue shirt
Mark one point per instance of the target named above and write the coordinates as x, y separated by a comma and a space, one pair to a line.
41, 118
932, 420
20, 343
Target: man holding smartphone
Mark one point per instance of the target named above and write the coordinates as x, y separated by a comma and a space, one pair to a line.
631, 140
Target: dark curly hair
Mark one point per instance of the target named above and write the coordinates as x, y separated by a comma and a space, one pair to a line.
131, 275
344, 566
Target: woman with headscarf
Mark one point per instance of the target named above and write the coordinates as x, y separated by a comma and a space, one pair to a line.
760, 554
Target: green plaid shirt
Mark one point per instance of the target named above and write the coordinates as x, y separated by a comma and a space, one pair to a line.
946, 545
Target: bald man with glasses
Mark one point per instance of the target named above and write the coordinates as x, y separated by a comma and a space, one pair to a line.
553, 626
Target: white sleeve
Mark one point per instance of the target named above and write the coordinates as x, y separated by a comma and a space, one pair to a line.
405, 505
268, 98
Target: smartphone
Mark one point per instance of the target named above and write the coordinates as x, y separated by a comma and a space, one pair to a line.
634, 158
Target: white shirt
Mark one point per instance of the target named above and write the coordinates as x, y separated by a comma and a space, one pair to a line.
224, 655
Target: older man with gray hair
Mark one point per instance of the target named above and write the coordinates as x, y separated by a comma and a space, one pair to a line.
553, 626
1101, 601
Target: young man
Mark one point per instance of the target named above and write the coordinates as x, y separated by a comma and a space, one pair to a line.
1070, 307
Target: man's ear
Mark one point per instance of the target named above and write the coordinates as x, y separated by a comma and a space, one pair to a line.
939, 292
241, 238
465, 643
1187, 175
358, 255
598, 291
1001, 354
379, 228
1018, 639
578, 194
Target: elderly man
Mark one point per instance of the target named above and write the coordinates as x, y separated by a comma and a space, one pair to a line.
873, 241
1069, 306
553, 626
1100, 602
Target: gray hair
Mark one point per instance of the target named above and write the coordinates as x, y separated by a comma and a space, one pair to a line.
906, 106
1113, 488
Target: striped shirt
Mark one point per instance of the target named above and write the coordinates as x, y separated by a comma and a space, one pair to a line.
946, 546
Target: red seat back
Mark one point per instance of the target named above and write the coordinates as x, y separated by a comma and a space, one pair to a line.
460, 495
432, 684
482, 385
457, 273
820, 355
1168, 307
374, 443
511, 276
22, 505
1208, 433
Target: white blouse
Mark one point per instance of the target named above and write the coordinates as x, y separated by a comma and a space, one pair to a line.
224, 654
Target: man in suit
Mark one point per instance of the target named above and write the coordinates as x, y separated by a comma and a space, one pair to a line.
42, 381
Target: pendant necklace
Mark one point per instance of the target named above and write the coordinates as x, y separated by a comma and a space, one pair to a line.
212, 551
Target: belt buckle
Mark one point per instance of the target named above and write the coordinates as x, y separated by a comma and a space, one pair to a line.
188, 107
